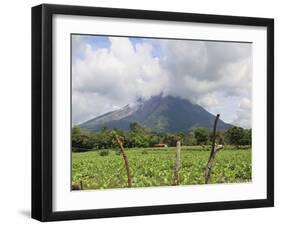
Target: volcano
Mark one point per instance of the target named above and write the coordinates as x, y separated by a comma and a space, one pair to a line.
158, 113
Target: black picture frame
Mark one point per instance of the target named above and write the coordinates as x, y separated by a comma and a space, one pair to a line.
42, 107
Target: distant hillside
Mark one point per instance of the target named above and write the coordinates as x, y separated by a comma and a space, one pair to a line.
160, 114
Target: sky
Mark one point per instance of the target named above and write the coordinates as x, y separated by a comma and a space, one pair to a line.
111, 72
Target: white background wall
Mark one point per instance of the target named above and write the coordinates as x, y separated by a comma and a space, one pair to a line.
15, 118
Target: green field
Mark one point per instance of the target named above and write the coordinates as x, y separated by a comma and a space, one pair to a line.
155, 167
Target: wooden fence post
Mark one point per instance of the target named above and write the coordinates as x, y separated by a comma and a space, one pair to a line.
177, 164
77, 186
214, 149
125, 160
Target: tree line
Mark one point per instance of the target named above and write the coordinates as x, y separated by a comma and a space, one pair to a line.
140, 136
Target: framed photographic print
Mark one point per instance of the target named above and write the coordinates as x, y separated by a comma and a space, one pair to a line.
140, 112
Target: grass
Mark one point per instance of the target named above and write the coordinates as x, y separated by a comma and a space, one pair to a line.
155, 167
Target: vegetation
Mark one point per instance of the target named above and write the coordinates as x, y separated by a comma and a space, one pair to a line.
154, 167
239, 136
104, 152
201, 136
141, 137
97, 162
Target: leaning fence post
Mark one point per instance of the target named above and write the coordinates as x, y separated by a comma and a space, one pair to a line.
214, 149
125, 160
177, 164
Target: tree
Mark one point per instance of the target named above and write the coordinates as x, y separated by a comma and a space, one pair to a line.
235, 135
135, 127
154, 139
247, 137
181, 137
80, 139
190, 139
220, 137
138, 136
201, 136
171, 139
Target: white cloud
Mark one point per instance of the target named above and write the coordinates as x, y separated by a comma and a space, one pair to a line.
208, 72
211, 74
243, 114
114, 76
245, 104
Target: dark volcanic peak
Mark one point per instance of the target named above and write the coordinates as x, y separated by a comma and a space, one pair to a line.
159, 113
